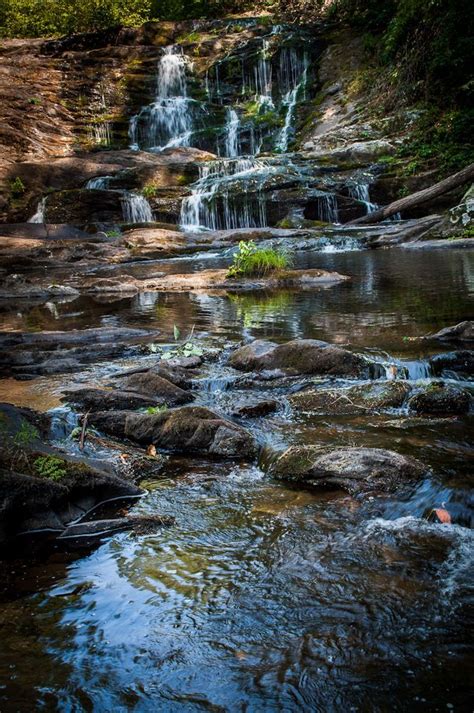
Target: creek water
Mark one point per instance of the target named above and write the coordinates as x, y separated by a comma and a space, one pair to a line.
262, 597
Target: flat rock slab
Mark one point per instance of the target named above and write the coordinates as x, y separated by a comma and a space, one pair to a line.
300, 356
190, 429
207, 280
355, 470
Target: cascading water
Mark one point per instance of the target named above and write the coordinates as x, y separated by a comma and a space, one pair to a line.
292, 79
136, 208
227, 196
361, 193
231, 134
98, 183
169, 120
326, 204
39, 215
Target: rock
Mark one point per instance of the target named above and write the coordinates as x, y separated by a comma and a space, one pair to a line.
28, 502
439, 399
356, 399
463, 214
61, 352
174, 373
462, 332
355, 470
459, 362
257, 409
114, 399
85, 534
190, 429
206, 280
358, 153
156, 387
300, 356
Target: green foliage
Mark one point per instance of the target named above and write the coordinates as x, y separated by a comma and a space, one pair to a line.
149, 191
250, 261
50, 467
25, 435
17, 187
156, 409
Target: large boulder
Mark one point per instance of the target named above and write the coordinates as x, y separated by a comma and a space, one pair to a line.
461, 332
300, 356
190, 429
458, 362
356, 399
108, 399
156, 387
355, 470
439, 399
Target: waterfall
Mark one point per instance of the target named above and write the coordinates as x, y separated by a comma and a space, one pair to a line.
231, 129
100, 134
98, 183
136, 208
361, 193
169, 120
226, 196
292, 78
326, 207
263, 78
38, 217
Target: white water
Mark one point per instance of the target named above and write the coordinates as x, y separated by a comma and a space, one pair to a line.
38, 217
292, 79
361, 192
169, 120
327, 207
136, 208
100, 134
98, 183
226, 196
231, 134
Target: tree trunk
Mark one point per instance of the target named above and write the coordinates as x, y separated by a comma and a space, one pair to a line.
416, 199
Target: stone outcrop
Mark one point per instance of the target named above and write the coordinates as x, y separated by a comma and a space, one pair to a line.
186, 430
353, 400
300, 356
356, 470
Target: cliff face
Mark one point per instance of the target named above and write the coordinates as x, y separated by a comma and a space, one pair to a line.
180, 94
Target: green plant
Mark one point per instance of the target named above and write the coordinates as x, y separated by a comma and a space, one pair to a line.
17, 186
50, 467
149, 190
250, 261
156, 409
25, 435
36, 101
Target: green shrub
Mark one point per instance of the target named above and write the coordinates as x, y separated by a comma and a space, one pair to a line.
156, 409
50, 467
250, 261
149, 190
17, 186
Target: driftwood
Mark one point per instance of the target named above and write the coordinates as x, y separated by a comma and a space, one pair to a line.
416, 199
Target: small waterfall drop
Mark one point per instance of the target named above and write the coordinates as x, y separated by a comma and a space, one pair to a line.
169, 120
361, 193
292, 79
39, 215
227, 196
98, 183
231, 129
136, 208
326, 204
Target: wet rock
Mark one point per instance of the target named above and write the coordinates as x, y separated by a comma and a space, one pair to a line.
190, 429
257, 409
60, 352
300, 356
359, 153
462, 332
30, 502
113, 399
459, 362
84, 534
353, 400
439, 399
158, 388
206, 280
355, 470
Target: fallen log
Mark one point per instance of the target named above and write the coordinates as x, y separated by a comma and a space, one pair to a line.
418, 198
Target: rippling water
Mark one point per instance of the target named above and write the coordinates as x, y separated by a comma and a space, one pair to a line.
264, 597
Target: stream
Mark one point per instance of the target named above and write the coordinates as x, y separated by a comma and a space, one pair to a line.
262, 596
